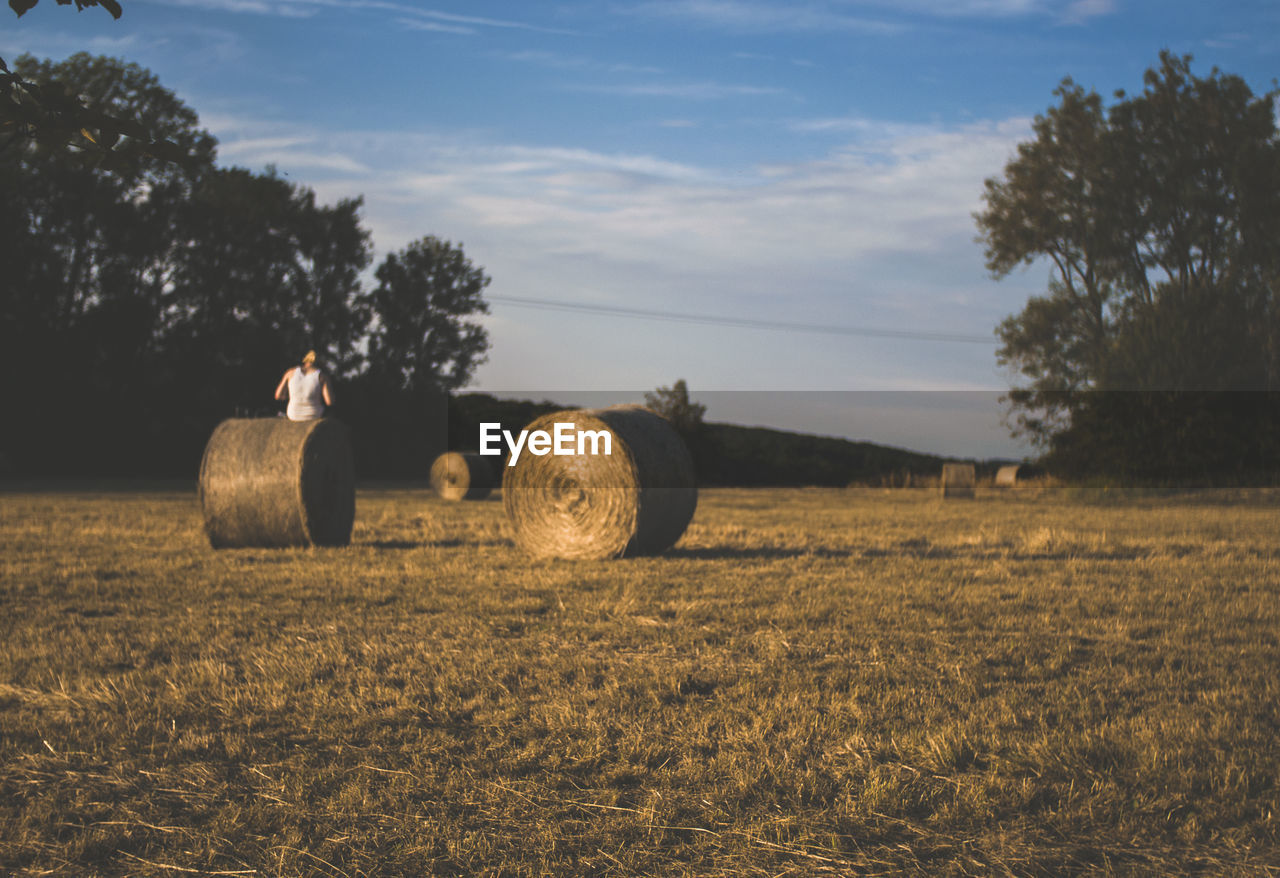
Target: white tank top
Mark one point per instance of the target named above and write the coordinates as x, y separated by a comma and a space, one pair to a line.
306, 399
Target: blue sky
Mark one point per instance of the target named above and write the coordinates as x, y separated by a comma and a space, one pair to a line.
780, 163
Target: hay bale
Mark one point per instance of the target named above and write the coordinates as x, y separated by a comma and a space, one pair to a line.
638, 500
958, 480
271, 482
1007, 476
462, 476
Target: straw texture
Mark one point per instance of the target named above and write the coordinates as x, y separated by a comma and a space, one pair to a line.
273, 482
958, 479
462, 476
638, 500
1007, 476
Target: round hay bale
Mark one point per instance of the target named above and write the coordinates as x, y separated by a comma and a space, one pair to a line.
637, 500
269, 482
462, 476
958, 479
1007, 476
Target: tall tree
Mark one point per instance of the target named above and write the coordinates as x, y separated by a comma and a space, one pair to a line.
1160, 220
86, 257
424, 336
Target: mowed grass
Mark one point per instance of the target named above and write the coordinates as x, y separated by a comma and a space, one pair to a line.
813, 682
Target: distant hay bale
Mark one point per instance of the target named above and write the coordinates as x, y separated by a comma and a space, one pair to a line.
957, 479
1007, 476
273, 482
462, 476
637, 500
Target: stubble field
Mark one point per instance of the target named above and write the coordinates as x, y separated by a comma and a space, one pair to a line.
812, 682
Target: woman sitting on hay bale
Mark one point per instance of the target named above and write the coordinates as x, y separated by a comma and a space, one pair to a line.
307, 389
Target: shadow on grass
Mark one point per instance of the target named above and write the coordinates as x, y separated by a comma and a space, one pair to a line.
766, 552
949, 553
909, 550
452, 543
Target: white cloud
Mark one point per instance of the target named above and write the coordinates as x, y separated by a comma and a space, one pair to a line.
771, 59
435, 26
965, 8
905, 189
774, 16
283, 8
1081, 11
863, 127
760, 17
560, 61
295, 153
877, 233
58, 44
540, 58
1227, 41
404, 13
694, 91
452, 18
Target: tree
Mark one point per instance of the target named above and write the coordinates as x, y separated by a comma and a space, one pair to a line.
86, 259
101, 228
422, 338
1160, 220
674, 405
269, 274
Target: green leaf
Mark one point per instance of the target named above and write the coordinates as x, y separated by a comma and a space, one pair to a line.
21, 6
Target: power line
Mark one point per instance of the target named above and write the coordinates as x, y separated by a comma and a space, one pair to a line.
743, 322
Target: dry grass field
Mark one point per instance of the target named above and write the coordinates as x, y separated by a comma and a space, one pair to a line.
813, 682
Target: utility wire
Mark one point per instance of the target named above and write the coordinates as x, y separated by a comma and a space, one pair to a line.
746, 323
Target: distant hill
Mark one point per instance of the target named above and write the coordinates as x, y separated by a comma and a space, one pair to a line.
727, 454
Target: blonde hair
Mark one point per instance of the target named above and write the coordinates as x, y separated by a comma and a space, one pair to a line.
308, 358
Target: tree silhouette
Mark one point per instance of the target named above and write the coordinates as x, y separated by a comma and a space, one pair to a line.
1160, 220
673, 404
422, 337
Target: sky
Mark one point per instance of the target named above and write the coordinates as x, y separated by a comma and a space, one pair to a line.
770, 200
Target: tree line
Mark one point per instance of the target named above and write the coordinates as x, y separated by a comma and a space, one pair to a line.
145, 299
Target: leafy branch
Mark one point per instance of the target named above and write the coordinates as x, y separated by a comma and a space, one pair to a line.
52, 117
23, 6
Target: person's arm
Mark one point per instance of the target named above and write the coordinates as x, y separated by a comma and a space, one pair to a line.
324, 389
283, 387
